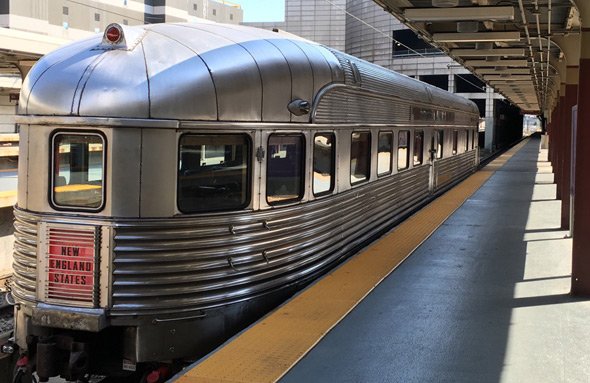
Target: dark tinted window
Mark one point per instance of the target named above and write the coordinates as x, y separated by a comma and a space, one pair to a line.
455, 141
360, 157
284, 172
439, 148
403, 153
323, 163
418, 147
213, 172
385, 153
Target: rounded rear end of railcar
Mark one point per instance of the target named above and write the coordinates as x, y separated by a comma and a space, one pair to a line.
135, 237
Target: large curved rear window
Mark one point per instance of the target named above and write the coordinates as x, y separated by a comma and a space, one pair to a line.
213, 172
78, 171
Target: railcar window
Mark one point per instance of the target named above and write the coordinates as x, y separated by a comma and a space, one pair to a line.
360, 157
439, 147
455, 141
418, 147
466, 139
385, 153
213, 172
403, 154
473, 139
323, 163
284, 173
78, 171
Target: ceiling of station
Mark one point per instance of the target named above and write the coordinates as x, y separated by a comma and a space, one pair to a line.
509, 44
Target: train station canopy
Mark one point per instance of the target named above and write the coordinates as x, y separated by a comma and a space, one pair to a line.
515, 46
19, 50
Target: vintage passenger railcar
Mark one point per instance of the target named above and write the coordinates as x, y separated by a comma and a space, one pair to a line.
178, 180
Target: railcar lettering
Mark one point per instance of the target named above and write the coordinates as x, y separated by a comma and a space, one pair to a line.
70, 279
70, 251
70, 265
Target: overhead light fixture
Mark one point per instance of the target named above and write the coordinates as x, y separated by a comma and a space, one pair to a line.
500, 52
476, 37
503, 63
490, 13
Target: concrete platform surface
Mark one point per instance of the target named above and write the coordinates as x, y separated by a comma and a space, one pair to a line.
484, 299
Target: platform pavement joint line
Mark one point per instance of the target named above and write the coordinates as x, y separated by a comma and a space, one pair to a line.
270, 348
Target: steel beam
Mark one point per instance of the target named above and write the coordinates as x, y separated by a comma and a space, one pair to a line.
476, 37
460, 14
484, 63
514, 52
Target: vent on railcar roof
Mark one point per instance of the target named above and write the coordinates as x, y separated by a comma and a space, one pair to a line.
349, 76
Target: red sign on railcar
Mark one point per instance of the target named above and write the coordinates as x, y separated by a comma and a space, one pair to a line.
71, 265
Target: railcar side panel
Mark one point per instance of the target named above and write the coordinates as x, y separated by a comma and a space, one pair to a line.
158, 173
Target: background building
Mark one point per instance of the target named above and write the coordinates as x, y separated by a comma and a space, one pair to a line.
317, 20
363, 29
75, 19
31, 28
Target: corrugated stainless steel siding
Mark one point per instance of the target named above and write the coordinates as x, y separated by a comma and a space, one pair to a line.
355, 106
25, 257
165, 267
375, 78
452, 168
350, 105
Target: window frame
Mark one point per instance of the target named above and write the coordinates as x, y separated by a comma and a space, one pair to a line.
332, 165
302, 172
249, 171
440, 142
418, 132
399, 134
391, 152
52, 137
368, 173
455, 142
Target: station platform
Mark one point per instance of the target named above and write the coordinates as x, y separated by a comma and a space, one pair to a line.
473, 288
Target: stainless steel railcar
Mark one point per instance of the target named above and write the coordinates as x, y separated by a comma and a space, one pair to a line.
178, 180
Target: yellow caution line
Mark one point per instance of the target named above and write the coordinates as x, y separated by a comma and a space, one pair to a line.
267, 350
7, 198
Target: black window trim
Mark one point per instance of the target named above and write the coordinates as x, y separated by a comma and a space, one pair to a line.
408, 147
332, 169
249, 172
51, 172
391, 152
368, 178
302, 173
421, 132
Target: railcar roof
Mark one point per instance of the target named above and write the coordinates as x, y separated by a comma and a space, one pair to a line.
200, 71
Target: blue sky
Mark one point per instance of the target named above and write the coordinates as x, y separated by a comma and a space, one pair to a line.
262, 10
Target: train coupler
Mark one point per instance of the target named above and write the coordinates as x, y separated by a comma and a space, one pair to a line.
61, 355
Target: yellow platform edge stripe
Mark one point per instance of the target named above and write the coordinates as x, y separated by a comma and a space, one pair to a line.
272, 346
7, 198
